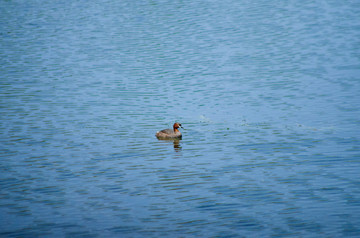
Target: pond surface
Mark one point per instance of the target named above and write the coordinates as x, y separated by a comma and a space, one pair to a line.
268, 94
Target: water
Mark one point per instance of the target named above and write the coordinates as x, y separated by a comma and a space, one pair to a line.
268, 93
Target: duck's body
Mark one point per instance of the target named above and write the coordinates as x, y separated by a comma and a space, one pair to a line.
170, 133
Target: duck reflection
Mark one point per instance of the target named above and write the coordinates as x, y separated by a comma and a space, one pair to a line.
175, 141
177, 146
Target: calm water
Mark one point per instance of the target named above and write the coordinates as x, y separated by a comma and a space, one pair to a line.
268, 93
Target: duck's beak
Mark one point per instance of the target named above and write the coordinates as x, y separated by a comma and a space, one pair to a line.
181, 126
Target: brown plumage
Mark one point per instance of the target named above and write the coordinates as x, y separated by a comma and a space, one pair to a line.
168, 133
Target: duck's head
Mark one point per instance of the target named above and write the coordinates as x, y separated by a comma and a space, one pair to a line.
177, 125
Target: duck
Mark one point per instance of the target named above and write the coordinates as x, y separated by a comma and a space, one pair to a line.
170, 133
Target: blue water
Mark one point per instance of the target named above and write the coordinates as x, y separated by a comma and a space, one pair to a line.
268, 93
